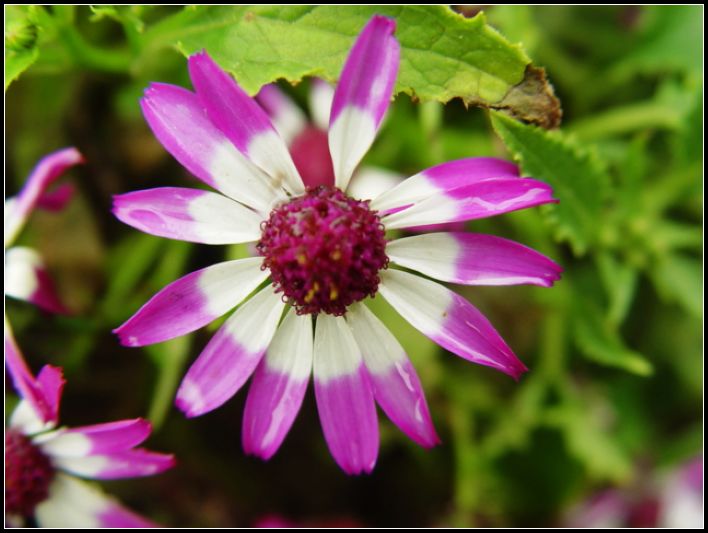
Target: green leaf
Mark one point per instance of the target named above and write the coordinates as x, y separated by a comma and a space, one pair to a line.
21, 34
170, 358
620, 281
589, 441
679, 278
671, 41
578, 179
443, 55
599, 341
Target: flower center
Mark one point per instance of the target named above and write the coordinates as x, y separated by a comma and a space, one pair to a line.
324, 250
28, 473
310, 153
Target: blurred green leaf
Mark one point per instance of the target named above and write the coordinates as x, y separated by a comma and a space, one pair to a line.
591, 443
578, 178
443, 55
669, 41
169, 358
620, 281
679, 279
599, 340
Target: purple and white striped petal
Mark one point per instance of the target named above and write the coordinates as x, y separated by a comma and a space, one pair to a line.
192, 302
179, 121
394, 381
371, 182
345, 400
320, 102
26, 278
243, 121
95, 439
362, 96
473, 259
449, 320
39, 408
74, 503
44, 174
287, 118
188, 215
116, 465
478, 200
231, 356
278, 387
441, 178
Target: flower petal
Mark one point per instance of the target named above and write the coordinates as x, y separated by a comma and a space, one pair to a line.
188, 215
278, 387
243, 121
44, 174
371, 182
394, 381
478, 200
449, 320
192, 302
473, 259
441, 178
116, 465
39, 408
362, 96
288, 119
26, 278
320, 102
73, 503
231, 356
179, 121
344, 397
56, 199
95, 439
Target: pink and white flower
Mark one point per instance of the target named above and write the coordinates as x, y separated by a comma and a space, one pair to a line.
43, 462
322, 253
26, 276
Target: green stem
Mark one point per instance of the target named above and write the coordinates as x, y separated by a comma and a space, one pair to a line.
88, 56
626, 119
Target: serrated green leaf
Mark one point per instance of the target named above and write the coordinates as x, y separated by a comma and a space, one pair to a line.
578, 179
21, 33
443, 55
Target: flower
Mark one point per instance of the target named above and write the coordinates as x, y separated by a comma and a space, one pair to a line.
324, 253
307, 141
41, 461
26, 277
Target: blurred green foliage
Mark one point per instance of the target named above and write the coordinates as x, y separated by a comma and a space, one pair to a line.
615, 348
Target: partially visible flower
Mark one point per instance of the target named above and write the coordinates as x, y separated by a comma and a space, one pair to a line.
669, 500
308, 144
325, 253
43, 462
26, 276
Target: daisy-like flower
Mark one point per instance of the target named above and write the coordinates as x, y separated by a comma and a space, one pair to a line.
26, 276
42, 462
322, 253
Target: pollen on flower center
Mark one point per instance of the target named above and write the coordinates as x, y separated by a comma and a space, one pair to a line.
28, 473
324, 250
